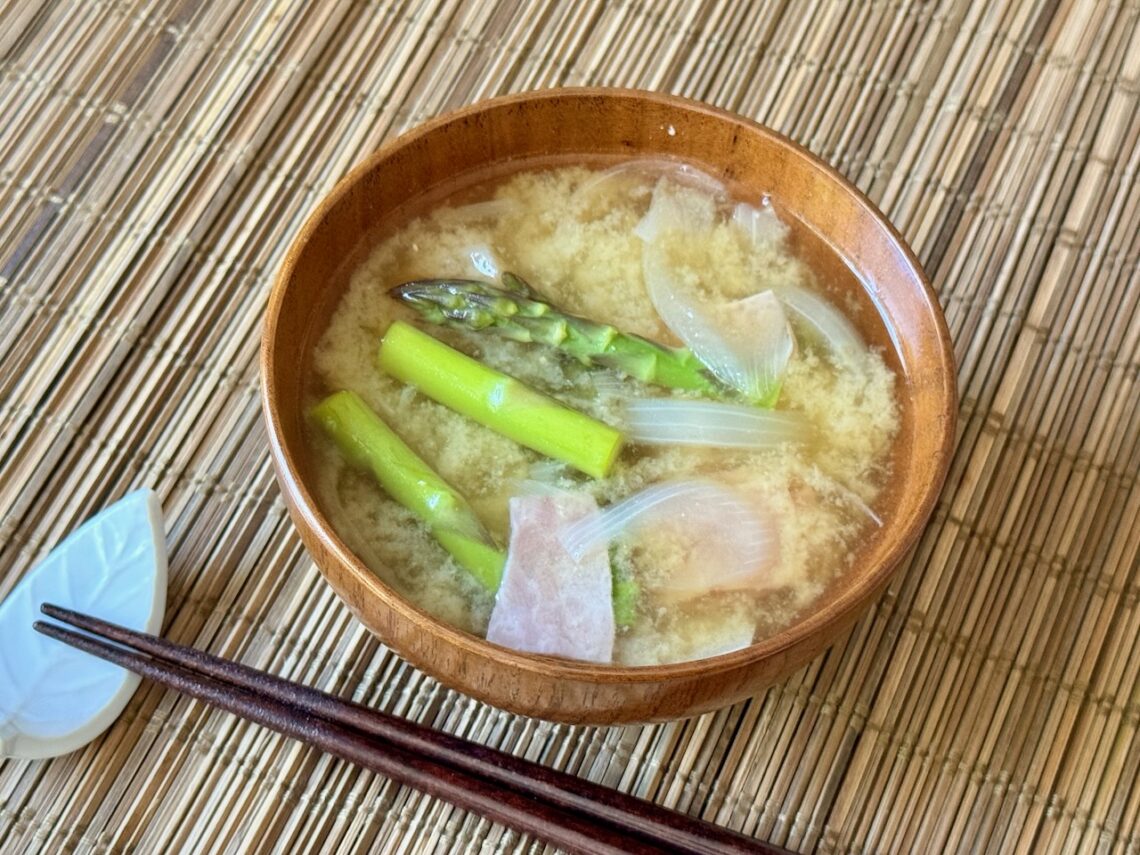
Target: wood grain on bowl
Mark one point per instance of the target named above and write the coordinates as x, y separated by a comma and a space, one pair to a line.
896, 311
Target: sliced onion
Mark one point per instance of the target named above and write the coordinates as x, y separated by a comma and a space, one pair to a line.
759, 331
543, 477
489, 209
600, 179
826, 321
671, 211
690, 176
677, 421
862, 506
528, 487
657, 167
745, 344
728, 543
852, 498
760, 225
607, 384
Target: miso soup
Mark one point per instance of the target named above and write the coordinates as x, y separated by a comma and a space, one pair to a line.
660, 253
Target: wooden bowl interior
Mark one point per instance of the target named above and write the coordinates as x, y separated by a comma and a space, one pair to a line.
856, 255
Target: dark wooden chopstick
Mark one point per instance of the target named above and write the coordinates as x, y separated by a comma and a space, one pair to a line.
574, 832
570, 812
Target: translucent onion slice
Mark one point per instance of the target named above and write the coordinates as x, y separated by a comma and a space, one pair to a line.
824, 320
746, 344
846, 494
760, 225
716, 539
544, 477
656, 167
608, 385
528, 487
689, 176
489, 209
676, 421
863, 508
677, 211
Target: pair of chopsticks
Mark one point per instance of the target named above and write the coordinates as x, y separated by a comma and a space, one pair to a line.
564, 810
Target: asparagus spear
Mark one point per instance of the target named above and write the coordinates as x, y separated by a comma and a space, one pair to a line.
369, 443
625, 592
502, 403
517, 313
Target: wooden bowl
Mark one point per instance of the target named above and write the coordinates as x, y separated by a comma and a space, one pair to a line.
834, 227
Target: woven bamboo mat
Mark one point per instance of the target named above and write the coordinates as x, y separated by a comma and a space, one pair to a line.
156, 157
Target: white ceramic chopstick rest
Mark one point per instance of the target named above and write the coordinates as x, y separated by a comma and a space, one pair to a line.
54, 698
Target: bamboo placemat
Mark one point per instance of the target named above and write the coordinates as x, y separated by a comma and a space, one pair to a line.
156, 157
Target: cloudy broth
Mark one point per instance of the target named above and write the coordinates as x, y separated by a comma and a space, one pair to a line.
572, 234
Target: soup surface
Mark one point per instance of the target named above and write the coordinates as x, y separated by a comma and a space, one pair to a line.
578, 237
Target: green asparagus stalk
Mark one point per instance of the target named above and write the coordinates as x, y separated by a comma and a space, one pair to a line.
366, 441
517, 313
497, 401
625, 593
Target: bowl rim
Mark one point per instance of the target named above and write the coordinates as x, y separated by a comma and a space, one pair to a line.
839, 611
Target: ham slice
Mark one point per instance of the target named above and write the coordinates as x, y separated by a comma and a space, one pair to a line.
548, 602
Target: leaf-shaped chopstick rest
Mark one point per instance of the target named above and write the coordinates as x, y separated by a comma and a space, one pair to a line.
53, 698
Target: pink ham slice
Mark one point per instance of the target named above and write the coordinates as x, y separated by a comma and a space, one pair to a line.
548, 602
